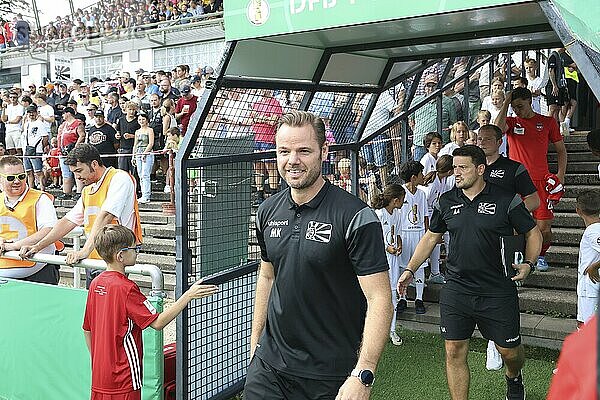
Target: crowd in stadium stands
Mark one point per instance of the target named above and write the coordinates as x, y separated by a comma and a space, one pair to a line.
107, 18
141, 117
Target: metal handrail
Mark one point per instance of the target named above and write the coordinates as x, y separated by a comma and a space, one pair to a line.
150, 270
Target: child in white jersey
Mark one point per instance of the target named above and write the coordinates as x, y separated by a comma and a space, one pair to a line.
459, 133
433, 144
588, 208
441, 183
414, 221
387, 205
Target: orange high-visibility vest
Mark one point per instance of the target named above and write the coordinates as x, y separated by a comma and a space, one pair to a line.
92, 204
19, 223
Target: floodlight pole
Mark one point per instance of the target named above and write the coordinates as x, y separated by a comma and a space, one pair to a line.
36, 14
71, 7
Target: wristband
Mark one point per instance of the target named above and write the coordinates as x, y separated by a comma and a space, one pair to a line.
411, 272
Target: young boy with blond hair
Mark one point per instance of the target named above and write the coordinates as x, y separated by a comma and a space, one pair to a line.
116, 313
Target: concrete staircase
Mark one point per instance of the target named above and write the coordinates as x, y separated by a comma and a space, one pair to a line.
548, 300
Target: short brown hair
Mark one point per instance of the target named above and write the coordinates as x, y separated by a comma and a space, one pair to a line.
10, 160
111, 239
299, 119
588, 203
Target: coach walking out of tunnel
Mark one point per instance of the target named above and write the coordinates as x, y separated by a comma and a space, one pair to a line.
478, 289
26, 216
322, 284
107, 198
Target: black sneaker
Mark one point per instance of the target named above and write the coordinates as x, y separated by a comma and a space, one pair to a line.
76, 196
514, 388
419, 307
64, 196
401, 306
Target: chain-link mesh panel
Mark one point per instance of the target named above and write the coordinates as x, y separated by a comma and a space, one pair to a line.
218, 335
593, 55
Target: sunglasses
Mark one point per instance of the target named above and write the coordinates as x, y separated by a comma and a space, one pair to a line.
11, 178
137, 248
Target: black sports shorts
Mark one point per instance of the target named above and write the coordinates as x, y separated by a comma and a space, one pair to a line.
264, 382
497, 318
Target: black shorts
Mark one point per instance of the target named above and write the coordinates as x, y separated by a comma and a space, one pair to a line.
49, 275
497, 318
264, 382
572, 89
561, 99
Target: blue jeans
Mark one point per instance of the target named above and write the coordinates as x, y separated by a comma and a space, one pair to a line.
375, 151
144, 167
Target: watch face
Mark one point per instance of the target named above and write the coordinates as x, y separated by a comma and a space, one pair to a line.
366, 377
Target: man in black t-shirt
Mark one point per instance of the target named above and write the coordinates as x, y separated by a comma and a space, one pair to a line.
556, 88
572, 79
478, 290
510, 175
102, 136
322, 308
126, 127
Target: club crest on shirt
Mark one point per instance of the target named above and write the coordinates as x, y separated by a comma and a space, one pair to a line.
413, 215
486, 208
497, 173
539, 126
319, 231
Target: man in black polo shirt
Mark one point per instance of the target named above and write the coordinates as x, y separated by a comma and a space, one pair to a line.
322, 308
510, 175
102, 136
477, 290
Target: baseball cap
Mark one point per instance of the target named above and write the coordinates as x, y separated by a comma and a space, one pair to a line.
72, 102
77, 81
208, 70
69, 110
99, 113
186, 89
140, 71
196, 78
32, 108
49, 86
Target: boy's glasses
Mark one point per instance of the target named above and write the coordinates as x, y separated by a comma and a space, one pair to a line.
137, 248
11, 178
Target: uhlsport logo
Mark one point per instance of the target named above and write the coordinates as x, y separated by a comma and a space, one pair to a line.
258, 12
319, 232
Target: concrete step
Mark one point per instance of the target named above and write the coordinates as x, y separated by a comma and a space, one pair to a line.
555, 278
575, 190
567, 220
561, 256
159, 231
531, 299
536, 330
574, 156
147, 217
576, 137
566, 236
591, 180
573, 147
587, 167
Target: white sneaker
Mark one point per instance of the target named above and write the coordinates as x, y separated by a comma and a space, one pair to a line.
395, 338
493, 361
167, 189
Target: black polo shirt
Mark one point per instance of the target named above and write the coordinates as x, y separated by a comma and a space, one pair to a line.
510, 175
474, 265
316, 310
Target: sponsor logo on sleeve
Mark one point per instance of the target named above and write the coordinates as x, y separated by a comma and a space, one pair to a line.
150, 307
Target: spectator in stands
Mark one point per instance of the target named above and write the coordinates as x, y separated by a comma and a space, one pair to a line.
557, 94
108, 198
36, 134
3, 39
22, 30
182, 76
70, 133
197, 88
127, 125
47, 91
26, 215
143, 158
140, 96
529, 135
458, 136
519, 81
424, 119
114, 112
103, 137
12, 116
151, 87
495, 104
186, 106
46, 111
60, 100
73, 104
168, 92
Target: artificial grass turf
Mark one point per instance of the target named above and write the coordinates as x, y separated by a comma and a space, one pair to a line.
416, 371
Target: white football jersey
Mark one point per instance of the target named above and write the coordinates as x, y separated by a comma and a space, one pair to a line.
589, 253
413, 211
428, 162
389, 225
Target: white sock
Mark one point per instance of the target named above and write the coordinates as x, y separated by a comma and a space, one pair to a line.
568, 122
420, 282
434, 259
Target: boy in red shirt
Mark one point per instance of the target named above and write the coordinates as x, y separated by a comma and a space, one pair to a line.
115, 314
529, 135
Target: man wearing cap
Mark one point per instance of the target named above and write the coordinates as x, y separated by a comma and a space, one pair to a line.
73, 104
424, 119
60, 100
186, 106
35, 144
197, 88
48, 90
102, 136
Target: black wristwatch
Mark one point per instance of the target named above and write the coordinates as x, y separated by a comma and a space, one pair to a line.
531, 266
365, 376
